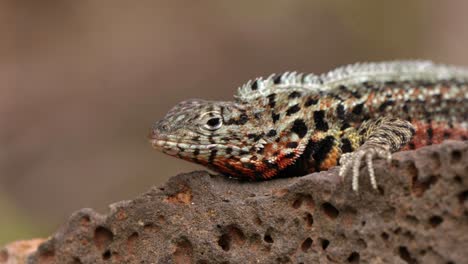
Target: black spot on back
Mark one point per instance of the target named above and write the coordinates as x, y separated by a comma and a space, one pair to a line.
275, 117
272, 100
367, 84
357, 110
260, 150
310, 101
255, 137
346, 145
340, 111
292, 145
294, 94
196, 152
271, 133
405, 108
385, 104
345, 126
356, 94
293, 109
299, 127
228, 150
319, 119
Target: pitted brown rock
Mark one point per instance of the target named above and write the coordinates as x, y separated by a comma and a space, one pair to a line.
418, 215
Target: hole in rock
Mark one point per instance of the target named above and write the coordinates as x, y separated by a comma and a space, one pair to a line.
76, 260
283, 259
306, 244
131, 242
224, 242
85, 219
330, 210
267, 238
406, 256
435, 220
354, 257
309, 219
385, 236
231, 236
106, 255
456, 156
381, 190
412, 219
463, 196
362, 243
325, 243
420, 186
297, 203
408, 234
102, 237
150, 227
184, 251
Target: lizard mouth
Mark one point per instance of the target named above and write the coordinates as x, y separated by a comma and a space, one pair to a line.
168, 147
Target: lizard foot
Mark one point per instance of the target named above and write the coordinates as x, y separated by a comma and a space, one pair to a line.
353, 161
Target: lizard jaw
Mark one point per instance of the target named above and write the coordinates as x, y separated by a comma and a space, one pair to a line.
167, 147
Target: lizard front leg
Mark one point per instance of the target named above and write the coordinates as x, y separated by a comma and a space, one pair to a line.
379, 138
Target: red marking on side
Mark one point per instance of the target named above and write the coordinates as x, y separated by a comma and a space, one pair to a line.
440, 131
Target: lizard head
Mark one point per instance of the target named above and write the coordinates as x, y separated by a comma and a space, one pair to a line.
215, 134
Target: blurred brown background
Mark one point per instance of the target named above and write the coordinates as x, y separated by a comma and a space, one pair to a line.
82, 81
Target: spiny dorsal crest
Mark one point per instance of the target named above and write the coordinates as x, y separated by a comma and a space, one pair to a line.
349, 75
260, 87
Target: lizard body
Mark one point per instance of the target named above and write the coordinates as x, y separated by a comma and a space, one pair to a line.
292, 124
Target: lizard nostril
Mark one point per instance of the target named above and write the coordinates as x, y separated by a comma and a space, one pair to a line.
152, 134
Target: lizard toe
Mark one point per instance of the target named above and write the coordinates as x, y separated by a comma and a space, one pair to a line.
354, 160
345, 164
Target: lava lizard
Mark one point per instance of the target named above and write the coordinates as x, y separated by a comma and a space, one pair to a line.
292, 124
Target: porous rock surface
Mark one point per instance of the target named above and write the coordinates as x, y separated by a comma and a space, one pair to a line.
419, 214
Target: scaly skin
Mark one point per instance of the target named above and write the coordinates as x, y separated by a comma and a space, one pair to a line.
293, 124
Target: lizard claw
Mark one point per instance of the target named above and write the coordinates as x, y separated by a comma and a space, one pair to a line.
352, 161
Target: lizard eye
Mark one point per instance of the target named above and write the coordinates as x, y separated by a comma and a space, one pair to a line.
213, 123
